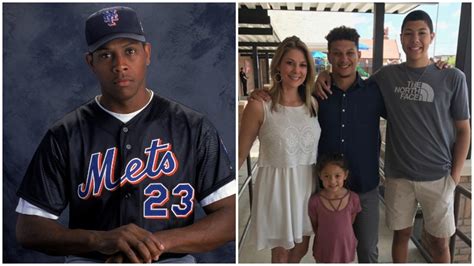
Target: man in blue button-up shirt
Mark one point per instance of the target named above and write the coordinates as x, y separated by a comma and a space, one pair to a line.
349, 121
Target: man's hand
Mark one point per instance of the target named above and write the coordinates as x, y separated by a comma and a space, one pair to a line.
442, 64
260, 95
136, 243
323, 85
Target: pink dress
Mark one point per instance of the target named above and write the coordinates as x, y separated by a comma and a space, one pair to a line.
334, 241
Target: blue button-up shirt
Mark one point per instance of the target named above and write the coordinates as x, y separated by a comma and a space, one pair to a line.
350, 125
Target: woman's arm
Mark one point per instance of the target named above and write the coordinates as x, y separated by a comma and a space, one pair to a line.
252, 119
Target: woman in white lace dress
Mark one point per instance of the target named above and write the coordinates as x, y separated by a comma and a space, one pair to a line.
288, 131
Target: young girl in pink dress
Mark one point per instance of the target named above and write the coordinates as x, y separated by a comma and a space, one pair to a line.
332, 212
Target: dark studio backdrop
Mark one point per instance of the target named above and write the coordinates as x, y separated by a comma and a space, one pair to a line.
45, 76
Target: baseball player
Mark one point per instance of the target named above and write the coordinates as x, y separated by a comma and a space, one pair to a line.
131, 166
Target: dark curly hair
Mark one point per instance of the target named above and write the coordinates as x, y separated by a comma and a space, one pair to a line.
343, 33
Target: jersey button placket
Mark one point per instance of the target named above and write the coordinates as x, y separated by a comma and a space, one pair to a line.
125, 138
127, 197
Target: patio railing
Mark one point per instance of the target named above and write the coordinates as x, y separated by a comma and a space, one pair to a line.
247, 185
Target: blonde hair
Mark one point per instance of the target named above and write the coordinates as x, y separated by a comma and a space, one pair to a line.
306, 89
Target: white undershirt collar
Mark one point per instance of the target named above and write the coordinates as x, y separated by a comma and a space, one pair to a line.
125, 117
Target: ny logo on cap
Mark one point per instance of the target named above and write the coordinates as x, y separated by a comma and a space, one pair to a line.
110, 17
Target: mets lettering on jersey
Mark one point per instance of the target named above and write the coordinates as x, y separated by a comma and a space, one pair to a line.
101, 171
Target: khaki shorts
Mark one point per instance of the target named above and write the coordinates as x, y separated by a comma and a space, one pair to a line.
435, 197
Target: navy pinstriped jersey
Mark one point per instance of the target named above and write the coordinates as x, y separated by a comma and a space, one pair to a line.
150, 171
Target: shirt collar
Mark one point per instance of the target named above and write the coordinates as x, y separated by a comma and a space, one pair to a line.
359, 82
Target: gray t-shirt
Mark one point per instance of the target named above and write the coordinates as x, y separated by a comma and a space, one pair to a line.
422, 105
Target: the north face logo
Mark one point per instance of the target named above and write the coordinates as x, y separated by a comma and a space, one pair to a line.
110, 17
416, 91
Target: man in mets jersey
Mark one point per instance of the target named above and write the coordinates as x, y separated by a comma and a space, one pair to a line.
131, 166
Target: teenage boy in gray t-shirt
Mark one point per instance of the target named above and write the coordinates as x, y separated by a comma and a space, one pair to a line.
428, 137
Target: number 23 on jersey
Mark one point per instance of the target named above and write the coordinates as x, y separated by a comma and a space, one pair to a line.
158, 196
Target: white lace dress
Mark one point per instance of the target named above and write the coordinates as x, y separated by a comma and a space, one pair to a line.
286, 177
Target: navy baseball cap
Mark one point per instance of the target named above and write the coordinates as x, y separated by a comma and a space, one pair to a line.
112, 23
